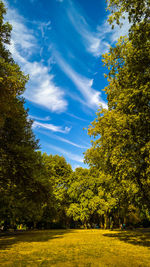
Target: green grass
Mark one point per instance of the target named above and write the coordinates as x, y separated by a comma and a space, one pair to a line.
76, 248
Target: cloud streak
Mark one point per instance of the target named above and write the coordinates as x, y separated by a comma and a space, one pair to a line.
105, 30
41, 88
47, 118
70, 142
44, 26
97, 41
68, 154
91, 39
76, 117
83, 84
64, 140
51, 127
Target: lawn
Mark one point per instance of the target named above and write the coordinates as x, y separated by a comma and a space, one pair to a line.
92, 247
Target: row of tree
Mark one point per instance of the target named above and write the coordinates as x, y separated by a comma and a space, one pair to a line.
42, 191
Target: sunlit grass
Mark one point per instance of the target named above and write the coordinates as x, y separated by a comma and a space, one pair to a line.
76, 248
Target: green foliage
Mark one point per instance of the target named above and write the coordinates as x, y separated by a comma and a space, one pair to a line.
58, 173
88, 196
121, 148
23, 189
137, 10
12, 80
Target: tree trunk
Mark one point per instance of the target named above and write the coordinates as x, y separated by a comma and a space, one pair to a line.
106, 221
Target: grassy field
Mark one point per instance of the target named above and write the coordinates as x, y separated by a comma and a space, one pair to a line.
92, 247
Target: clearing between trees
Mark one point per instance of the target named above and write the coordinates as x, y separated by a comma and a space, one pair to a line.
91, 247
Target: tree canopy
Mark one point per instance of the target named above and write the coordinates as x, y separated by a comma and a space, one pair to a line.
122, 145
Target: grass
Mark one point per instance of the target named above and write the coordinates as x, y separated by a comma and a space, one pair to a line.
74, 248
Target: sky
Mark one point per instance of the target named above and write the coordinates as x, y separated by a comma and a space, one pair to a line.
60, 43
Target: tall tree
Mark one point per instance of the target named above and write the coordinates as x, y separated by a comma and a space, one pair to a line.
122, 147
21, 177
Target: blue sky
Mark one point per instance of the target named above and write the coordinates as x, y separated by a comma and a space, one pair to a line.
59, 43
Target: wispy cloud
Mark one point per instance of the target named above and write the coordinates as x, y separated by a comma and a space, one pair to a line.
90, 38
47, 118
21, 36
83, 84
64, 140
72, 156
76, 117
44, 26
43, 90
98, 40
51, 127
105, 30
70, 142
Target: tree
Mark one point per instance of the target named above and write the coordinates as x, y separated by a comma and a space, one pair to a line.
59, 174
23, 177
89, 200
22, 184
80, 193
122, 145
137, 10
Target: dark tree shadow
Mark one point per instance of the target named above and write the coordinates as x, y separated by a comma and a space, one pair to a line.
9, 239
140, 237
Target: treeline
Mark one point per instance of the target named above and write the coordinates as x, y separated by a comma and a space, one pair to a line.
42, 191
57, 197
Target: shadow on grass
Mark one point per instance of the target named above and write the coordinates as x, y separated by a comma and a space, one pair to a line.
140, 237
9, 239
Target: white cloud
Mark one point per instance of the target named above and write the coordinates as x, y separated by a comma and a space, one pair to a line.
44, 92
121, 31
105, 31
22, 36
43, 26
70, 142
68, 154
54, 136
83, 84
41, 89
96, 41
51, 127
76, 117
90, 39
47, 118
